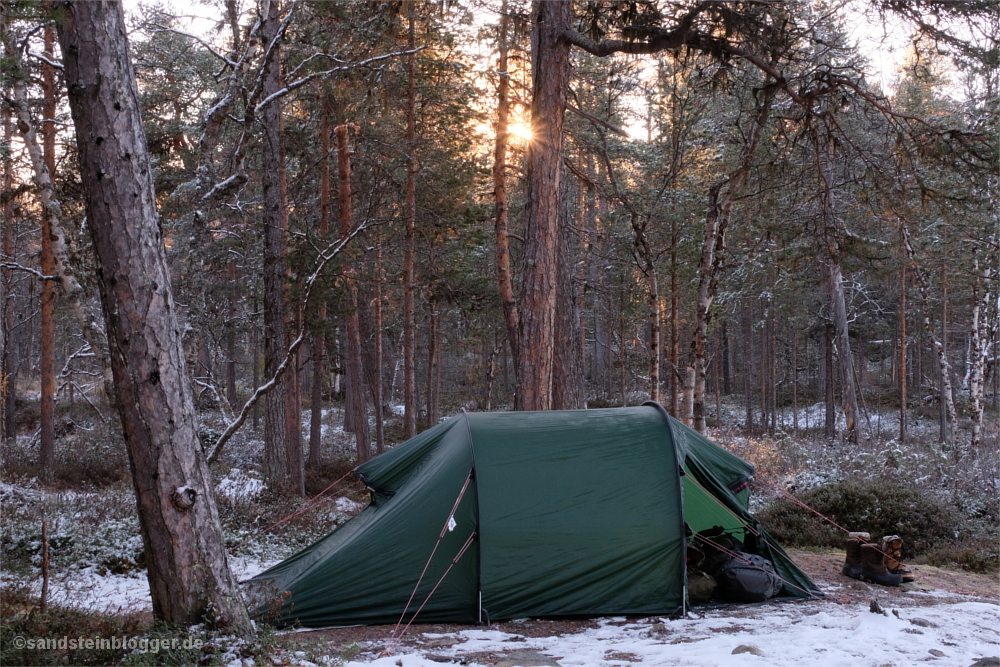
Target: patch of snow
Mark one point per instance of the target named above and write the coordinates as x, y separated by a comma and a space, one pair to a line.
347, 506
238, 485
786, 634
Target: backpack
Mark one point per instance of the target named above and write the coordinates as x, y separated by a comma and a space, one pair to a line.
753, 581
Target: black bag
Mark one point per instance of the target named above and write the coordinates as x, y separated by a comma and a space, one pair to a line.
743, 581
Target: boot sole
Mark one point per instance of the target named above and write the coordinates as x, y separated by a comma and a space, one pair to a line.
881, 579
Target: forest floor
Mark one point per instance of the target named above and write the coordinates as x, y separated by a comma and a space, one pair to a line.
945, 617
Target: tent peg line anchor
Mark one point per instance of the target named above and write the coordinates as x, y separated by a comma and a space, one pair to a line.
444, 531
394, 641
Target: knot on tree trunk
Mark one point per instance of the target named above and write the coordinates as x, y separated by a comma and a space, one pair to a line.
183, 498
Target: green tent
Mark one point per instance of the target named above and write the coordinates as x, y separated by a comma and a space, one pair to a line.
560, 513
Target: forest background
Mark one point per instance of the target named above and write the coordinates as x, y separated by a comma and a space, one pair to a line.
374, 214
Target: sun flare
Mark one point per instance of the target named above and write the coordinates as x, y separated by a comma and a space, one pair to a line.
520, 131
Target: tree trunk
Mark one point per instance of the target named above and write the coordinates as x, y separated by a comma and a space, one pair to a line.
189, 577
355, 372
379, 380
945, 400
85, 315
433, 365
675, 340
7, 379
567, 355
902, 355
982, 331
409, 281
795, 383
830, 425
47, 435
319, 325
275, 221
550, 77
255, 357
720, 204
230, 340
504, 277
835, 283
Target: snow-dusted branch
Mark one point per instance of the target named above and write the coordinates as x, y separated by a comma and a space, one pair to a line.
27, 269
209, 47
325, 258
45, 58
318, 75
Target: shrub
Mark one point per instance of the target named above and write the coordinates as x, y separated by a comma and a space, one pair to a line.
877, 506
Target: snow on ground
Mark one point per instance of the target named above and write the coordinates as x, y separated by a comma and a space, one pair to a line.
238, 485
782, 634
119, 593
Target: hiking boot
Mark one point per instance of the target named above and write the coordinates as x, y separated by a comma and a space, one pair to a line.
892, 547
852, 563
873, 567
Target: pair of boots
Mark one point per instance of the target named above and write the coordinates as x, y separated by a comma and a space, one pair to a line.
868, 562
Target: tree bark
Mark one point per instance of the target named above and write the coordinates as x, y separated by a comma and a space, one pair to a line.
355, 372
720, 204
983, 330
275, 221
504, 277
902, 355
550, 77
7, 374
47, 434
319, 327
433, 394
86, 316
945, 396
835, 283
567, 355
379, 381
409, 281
830, 425
185, 552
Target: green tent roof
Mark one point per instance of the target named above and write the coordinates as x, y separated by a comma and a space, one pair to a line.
559, 513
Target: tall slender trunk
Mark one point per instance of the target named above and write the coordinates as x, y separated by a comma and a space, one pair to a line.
648, 260
87, 317
409, 282
902, 355
944, 370
190, 580
355, 373
319, 324
504, 276
835, 283
230, 339
255, 357
47, 453
275, 222
983, 328
675, 341
830, 425
550, 77
713, 249
7, 379
379, 380
795, 383
433, 365
568, 391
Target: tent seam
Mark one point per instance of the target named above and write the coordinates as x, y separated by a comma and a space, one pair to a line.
479, 524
